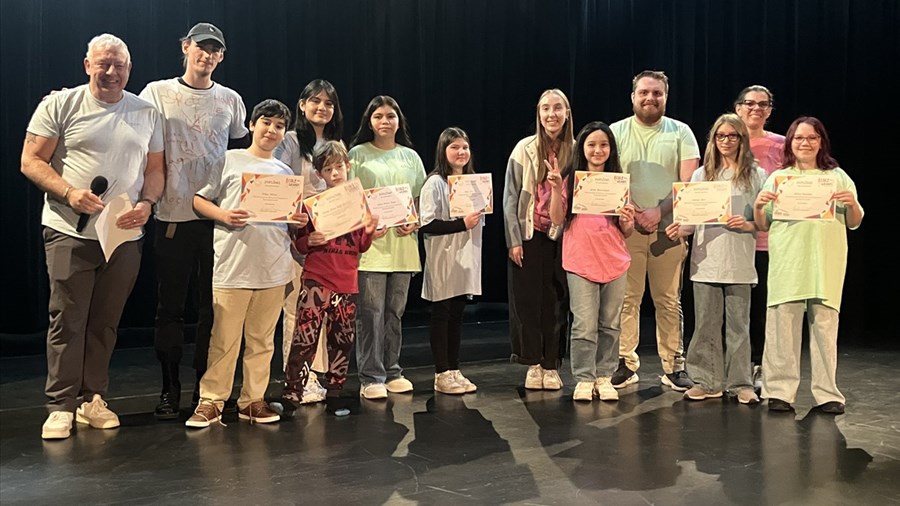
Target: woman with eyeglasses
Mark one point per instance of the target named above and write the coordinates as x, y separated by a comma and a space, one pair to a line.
807, 264
722, 269
754, 104
318, 120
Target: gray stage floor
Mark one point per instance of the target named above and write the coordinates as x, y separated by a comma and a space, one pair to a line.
501, 445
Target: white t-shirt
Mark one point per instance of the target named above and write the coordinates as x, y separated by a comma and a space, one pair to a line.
289, 152
258, 255
95, 139
196, 127
720, 254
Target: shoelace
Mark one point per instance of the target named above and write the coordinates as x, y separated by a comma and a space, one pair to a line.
206, 410
58, 416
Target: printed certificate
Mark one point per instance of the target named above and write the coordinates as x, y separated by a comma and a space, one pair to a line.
470, 193
600, 192
804, 197
338, 210
271, 197
701, 202
394, 205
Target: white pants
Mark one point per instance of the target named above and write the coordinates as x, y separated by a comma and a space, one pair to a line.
781, 355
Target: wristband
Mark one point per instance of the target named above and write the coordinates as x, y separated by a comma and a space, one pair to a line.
66, 193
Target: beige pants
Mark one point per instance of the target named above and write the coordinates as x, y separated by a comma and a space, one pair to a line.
236, 312
781, 355
289, 322
661, 260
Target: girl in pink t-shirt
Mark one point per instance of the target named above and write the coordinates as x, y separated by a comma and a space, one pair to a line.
596, 261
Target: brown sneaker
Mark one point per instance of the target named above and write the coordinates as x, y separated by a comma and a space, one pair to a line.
205, 414
258, 412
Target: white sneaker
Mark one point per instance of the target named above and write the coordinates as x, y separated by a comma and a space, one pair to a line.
534, 378
584, 391
58, 425
373, 391
313, 391
96, 414
605, 389
446, 383
399, 385
551, 380
464, 381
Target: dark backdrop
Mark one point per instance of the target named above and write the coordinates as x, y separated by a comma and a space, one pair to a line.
481, 65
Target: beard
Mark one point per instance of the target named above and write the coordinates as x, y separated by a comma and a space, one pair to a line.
649, 117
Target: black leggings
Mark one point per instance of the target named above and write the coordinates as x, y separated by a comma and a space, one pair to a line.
446, 332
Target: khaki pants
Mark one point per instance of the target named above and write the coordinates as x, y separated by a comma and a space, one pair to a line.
252, 313
781, 355
661, 260
289, 323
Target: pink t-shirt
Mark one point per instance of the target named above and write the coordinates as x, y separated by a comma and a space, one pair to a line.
769, 153
543, 191
594, 248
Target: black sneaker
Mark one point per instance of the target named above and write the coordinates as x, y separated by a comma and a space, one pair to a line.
678, 381
167, 409
779, 405
832, 408
623, 376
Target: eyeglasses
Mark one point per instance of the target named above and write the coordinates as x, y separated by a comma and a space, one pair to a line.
727, 137
812, 139
750, 104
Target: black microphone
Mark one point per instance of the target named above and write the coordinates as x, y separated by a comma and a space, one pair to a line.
98, 187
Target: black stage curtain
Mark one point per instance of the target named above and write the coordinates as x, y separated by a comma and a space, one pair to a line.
481, 65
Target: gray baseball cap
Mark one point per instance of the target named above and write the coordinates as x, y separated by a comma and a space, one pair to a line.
206, 31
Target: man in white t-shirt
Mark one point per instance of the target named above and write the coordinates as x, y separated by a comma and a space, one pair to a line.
656, 151
75, 139
200, 117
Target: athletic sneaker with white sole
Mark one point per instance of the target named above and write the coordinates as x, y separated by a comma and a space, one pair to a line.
584, 391
373, 391
604, 388
96, 414
58, 425
399, 385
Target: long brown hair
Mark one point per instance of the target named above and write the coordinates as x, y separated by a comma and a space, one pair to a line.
712, 158
566, 137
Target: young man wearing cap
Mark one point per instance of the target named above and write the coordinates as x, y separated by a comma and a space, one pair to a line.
200, 119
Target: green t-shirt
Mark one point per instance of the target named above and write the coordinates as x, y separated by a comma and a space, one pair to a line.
808, 259
376, 168
653, 156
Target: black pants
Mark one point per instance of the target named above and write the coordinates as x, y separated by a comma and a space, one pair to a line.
758, 308
535, 292
446, 332
187, 254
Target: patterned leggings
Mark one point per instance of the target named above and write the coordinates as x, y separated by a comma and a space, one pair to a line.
313, 304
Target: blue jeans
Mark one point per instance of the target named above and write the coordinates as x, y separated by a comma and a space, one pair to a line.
382, 300
708, 364
596, 325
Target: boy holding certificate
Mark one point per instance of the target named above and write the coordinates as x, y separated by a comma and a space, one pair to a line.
328, 293
252, 266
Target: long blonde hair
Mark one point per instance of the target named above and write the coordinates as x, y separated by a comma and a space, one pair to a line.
566, 137
712, 158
